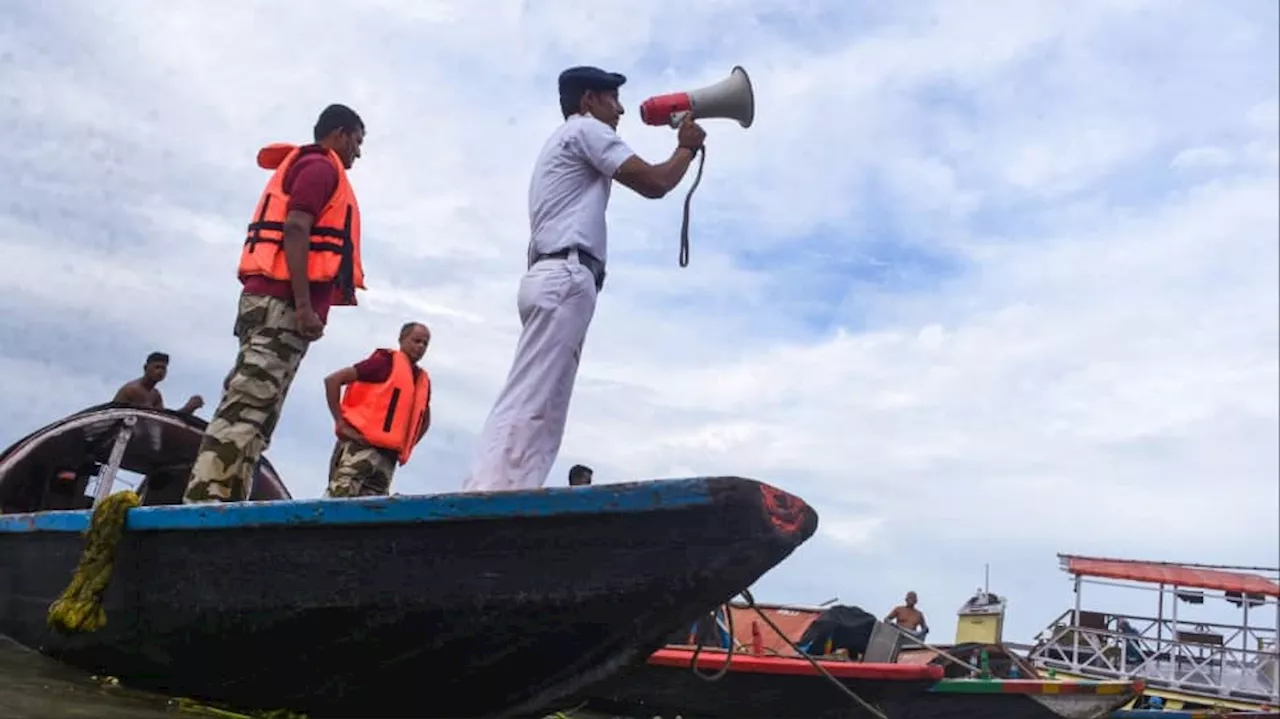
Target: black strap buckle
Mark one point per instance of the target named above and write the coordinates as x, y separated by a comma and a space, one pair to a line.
586, 259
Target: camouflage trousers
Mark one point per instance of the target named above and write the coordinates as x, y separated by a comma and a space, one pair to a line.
359, 470
253, 395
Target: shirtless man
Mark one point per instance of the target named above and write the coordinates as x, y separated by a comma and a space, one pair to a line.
142, 392
908, 618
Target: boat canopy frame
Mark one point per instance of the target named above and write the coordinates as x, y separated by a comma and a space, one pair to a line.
1229, 664
50, 469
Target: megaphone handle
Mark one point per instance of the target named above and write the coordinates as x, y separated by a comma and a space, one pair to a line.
684, 224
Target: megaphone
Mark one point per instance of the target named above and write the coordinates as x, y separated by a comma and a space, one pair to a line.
731, 98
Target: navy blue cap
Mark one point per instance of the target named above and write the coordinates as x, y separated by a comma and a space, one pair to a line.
585, 77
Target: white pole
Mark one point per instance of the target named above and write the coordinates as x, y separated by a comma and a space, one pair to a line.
108, 476
1075, 635
1275, 646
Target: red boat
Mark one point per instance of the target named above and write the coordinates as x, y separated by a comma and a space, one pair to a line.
765, 677
751, 686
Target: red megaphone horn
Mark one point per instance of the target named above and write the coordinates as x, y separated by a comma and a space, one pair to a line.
730, 98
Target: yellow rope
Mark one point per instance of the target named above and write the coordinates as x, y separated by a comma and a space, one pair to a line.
192, 706
79, 607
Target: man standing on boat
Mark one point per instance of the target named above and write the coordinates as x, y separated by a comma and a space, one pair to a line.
301, 256
908, 618
381, 417
568, 195
143, 392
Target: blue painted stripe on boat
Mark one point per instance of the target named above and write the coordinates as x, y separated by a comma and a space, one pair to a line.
1222, 713
605, 499
1156, 714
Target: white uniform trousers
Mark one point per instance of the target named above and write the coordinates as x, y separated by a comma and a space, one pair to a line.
522, 434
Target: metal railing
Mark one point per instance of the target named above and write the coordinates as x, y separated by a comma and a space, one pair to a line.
1216, 660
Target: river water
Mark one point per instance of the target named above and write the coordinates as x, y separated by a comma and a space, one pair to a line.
36, 687
33, 686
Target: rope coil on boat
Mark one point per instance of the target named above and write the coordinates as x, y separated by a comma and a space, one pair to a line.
751, 602
79, 607
728, 655
873, 710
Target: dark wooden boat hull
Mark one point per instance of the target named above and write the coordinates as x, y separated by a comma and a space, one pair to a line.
778, 687
453, 605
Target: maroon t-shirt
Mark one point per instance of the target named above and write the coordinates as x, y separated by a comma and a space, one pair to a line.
376, 368
310, 181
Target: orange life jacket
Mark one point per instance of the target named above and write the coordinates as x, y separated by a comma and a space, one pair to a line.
390, 414
335, 235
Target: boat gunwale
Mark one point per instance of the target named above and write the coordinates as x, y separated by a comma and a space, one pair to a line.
608, 499
1039, 687
714, 658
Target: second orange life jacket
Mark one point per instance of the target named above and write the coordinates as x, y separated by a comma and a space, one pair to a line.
334, 254
390, 414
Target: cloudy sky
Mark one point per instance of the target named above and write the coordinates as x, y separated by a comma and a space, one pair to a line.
986, 281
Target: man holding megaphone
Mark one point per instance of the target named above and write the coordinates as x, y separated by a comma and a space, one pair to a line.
568, 196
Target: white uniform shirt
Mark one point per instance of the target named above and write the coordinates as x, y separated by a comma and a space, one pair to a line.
569, 191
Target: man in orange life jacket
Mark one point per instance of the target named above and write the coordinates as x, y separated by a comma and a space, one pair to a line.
381, 417
301, 255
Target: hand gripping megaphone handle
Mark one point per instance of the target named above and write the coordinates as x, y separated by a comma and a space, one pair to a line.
731, 98
684, 224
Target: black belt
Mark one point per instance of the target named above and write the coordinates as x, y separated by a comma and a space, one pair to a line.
588, 260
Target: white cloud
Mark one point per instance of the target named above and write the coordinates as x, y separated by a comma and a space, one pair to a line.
985, 281
1208, 156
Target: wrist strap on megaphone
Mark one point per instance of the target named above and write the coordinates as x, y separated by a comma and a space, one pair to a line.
701, 152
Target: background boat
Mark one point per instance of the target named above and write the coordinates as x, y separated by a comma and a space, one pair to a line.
747, 686
755, 666
1186, 662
